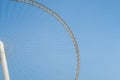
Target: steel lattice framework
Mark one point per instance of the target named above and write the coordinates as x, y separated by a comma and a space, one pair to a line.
54, 14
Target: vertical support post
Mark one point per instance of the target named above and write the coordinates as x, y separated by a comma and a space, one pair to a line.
4, 62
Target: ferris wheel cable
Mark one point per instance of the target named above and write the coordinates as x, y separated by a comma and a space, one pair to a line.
11, 11
54, 14
0, 10
7, 13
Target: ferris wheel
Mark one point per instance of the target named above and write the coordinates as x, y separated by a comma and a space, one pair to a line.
56, 16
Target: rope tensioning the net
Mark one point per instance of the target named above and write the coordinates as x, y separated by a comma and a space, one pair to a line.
54, 14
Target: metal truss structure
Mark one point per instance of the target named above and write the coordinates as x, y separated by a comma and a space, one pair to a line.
55, 15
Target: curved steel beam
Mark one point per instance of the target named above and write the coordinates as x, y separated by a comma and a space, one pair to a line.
54, 14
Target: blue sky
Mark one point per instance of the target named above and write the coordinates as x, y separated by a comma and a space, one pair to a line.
39, 48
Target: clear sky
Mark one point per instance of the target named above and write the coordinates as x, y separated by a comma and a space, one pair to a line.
38, 47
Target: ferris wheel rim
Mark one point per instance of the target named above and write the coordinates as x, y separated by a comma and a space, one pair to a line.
65, 25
